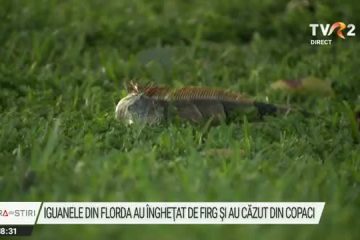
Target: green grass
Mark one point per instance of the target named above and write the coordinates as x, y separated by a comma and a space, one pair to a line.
64, 65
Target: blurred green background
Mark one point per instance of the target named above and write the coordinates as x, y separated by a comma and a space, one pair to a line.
64, 65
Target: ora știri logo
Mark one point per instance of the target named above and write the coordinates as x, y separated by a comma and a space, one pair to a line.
339, 28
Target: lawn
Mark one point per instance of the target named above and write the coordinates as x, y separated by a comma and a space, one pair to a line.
64, 66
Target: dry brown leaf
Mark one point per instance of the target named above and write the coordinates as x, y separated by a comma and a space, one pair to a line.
308, 85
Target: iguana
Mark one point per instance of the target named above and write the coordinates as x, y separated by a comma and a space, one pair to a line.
156, 104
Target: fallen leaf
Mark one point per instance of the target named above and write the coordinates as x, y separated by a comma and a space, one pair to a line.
308, 85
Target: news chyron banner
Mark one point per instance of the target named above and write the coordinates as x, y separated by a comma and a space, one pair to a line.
19, 218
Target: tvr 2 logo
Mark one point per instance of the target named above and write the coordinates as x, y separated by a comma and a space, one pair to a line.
327, 30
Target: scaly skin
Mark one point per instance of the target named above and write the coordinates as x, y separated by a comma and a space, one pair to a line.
153, 105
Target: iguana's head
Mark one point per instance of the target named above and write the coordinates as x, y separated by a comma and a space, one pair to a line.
136, 107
